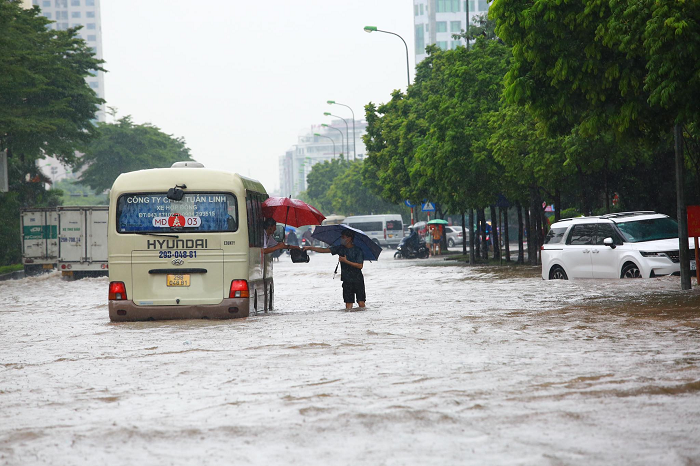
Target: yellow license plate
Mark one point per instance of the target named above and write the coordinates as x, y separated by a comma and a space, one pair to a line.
178, 280
48, 266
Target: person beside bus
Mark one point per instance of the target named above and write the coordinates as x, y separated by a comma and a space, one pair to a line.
270, 244
351, 261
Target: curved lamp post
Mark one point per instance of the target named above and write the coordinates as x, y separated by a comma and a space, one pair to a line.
341, 135
347, 131
327, 137
408, 66
354, 149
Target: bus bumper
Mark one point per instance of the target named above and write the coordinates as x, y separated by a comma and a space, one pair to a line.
229, 308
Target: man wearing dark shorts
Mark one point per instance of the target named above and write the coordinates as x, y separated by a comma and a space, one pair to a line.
351, 260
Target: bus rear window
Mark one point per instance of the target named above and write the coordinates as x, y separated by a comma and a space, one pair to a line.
394, 225
196, 212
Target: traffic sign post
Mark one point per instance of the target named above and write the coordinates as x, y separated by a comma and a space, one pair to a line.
428, 207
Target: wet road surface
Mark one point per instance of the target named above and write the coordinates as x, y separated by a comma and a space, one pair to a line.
448, 365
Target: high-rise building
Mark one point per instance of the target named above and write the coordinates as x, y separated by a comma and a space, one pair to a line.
295, 165
435, 22
72, 13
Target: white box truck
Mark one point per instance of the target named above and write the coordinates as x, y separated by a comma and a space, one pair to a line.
39, 233
82, 235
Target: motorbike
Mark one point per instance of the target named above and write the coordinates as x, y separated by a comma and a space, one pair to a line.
412, 247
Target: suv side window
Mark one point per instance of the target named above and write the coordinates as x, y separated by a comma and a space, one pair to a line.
606, 230
582, 234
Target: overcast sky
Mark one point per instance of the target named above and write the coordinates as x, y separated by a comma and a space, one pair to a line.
240, 79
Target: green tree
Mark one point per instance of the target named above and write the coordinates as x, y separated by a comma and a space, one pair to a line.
350, 195
46, 107
123, 147
319, 181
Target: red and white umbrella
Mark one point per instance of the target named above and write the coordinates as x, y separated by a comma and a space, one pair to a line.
293, 212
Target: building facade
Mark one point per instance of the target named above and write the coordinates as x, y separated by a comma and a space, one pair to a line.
71, 13
315, 145
435, 21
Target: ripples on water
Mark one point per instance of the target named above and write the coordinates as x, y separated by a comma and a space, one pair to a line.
448, 365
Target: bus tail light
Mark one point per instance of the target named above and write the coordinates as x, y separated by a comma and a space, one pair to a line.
239, 289
117, 291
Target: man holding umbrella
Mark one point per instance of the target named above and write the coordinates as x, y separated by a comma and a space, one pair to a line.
351, 260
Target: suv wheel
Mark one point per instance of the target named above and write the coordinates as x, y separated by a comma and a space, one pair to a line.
557, 273
630, 270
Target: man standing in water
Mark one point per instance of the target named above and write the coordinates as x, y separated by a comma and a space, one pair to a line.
351, 260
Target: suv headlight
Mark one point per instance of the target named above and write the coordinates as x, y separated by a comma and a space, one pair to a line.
652, 254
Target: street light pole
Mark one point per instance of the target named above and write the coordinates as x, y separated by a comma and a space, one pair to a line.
341, 135
327, 137
408, 66
354, 135
347, 132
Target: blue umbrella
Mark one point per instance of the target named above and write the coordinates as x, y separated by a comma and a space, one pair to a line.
288, 229
330, 234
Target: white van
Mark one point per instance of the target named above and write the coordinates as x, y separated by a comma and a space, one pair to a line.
186, 242
385, 230
82, 236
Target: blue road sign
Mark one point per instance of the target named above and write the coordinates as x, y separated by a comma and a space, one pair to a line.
428, 207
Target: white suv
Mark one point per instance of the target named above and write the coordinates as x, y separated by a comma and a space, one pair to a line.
624, 245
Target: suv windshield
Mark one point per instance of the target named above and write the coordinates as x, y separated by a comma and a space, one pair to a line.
637, 231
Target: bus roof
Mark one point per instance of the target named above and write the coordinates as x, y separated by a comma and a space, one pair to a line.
196, 179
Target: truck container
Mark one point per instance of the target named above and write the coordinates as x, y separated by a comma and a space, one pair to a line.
82, 246
39, 233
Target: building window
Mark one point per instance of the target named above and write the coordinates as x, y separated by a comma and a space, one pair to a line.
447, 6
426, 27
89, 2
455, 44
472, 5
92, 37
91, 25
483, 6
47, 15
89, 14
94, 49
455, 26
441, 26
420, 40
442, 44
61, 3
61, 15
421, 8
94, 84
415, 10
35, 2
75, 14
74, 2
61, 26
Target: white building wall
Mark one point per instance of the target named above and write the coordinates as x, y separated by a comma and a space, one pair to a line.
435, 21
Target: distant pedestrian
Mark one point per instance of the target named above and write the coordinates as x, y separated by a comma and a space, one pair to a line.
437, 239
429, 240
351, 260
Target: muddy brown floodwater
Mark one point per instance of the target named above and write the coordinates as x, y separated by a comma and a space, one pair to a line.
448, 365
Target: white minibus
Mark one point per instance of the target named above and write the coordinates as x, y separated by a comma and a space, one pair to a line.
385, 230
185, 243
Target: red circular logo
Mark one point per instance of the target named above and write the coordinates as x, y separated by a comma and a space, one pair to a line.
176, 220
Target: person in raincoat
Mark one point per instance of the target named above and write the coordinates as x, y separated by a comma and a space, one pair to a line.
351, 260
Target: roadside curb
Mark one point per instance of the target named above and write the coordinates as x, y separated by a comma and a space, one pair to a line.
16, 275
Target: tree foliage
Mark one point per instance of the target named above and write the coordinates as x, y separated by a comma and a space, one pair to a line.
123, 146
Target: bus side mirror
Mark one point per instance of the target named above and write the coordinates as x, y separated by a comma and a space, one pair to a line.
278, 235
609, 242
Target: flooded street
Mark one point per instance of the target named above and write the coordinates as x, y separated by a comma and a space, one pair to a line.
448, 365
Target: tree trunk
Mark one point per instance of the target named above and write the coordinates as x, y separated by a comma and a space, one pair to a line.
532, 228
506, 234
472, 253
495, 233
557, 205
464, 235
526, 227
521, 251
684, 253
